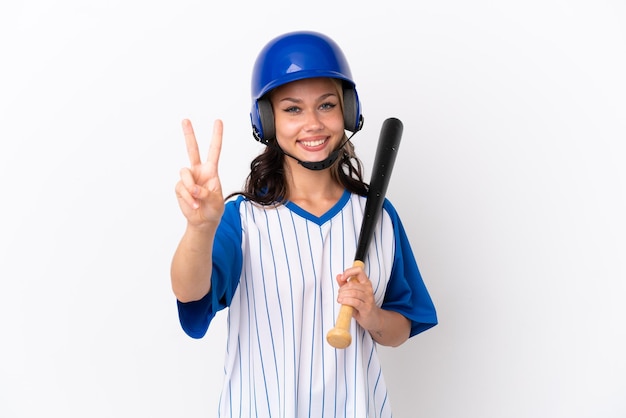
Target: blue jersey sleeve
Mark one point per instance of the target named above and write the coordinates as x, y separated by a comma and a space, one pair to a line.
196, 316
406, 292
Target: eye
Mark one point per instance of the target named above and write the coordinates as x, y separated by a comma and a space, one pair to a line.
292, 109
328, 106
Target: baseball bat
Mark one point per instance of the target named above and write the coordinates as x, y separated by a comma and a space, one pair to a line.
386, 152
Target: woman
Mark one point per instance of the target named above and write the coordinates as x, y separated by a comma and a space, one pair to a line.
279, 253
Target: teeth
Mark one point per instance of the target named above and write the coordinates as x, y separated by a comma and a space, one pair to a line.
313, 143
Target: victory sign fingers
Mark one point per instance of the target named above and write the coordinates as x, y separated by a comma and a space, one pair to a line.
199, 189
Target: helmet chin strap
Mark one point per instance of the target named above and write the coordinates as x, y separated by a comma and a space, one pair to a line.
317, 165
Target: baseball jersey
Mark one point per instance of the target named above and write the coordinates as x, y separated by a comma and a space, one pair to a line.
275, 269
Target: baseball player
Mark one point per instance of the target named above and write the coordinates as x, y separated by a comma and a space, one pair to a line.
279, 253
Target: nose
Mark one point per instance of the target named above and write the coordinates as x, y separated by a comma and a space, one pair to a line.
313, 121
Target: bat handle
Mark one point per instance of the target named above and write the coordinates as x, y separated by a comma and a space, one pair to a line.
340, 337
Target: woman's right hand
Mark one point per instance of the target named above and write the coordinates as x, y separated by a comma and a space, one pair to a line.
199, 190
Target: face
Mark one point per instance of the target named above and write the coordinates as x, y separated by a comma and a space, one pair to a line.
308, 118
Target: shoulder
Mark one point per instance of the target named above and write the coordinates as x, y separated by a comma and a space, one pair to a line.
390, 208
231, 218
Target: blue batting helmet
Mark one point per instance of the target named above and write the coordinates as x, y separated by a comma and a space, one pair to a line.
297, 56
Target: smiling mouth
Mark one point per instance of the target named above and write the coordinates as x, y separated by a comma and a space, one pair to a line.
311, 144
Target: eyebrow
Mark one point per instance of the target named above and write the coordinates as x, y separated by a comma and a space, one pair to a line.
294, 100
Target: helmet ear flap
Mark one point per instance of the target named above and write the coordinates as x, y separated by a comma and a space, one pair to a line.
265, 115
352, 119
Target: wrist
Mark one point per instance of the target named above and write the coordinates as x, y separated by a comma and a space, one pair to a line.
203, 228
378, 331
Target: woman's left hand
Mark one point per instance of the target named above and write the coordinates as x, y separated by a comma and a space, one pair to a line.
355, 290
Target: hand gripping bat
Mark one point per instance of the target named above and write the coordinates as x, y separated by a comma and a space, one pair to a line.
388, 143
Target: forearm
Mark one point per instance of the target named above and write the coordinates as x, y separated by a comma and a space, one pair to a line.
192, 264
393, 328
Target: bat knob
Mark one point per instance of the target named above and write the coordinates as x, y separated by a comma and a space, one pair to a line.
339, 338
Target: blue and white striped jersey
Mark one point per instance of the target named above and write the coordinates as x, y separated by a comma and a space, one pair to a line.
275, 269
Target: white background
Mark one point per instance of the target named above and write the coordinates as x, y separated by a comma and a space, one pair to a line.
511, 181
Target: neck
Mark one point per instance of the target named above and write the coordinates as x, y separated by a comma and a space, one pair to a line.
314, 198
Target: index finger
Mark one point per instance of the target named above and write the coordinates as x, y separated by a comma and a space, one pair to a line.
190, 141
354, 272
